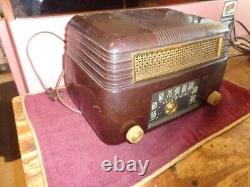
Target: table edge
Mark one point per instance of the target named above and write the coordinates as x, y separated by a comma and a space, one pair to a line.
18, 104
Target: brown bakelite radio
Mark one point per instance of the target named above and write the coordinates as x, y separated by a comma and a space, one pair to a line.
130, 71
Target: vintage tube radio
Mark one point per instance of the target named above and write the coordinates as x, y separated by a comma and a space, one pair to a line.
130, 71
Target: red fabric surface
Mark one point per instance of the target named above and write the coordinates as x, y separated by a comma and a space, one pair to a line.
72, 154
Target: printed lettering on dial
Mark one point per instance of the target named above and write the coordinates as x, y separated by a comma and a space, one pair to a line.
153, 115
154, 105
169, 94
184, 88
192, 99
195, 89
177, 90
191, 85
161, 97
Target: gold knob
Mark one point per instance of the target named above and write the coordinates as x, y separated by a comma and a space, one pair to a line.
135, 134
214, 98
171, 107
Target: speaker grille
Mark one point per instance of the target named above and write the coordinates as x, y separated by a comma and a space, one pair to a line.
161, 61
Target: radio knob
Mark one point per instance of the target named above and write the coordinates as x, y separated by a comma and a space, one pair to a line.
171, 107
214, 98
135, 134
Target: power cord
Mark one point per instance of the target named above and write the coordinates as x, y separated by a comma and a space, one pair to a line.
239, 43
53, 93
59, 97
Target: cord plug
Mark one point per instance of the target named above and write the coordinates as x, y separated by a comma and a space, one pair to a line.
51, 93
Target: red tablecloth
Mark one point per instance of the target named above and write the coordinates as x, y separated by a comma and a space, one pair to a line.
72, 154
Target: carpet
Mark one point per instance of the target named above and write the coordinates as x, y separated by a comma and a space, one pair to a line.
72, 154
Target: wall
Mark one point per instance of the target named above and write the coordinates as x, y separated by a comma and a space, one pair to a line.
47, 51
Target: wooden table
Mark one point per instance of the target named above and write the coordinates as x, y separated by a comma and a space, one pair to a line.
222, 161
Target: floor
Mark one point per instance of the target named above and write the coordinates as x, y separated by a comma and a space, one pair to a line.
11, 173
